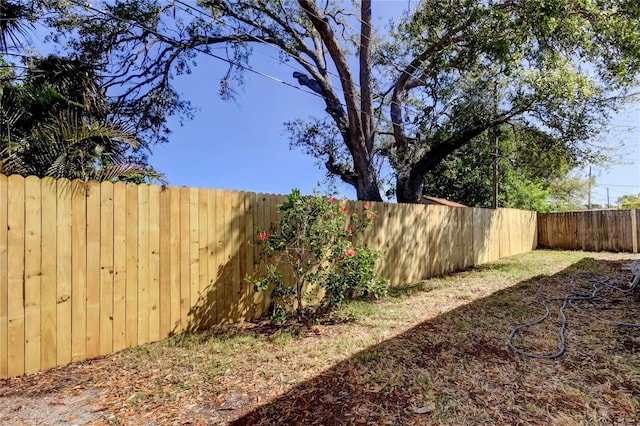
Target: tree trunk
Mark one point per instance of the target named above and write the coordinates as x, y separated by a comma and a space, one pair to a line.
409, 188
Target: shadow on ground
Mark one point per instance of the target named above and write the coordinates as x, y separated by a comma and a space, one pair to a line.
457, 368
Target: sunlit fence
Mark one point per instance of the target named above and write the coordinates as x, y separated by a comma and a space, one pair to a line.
595, 230
88, 269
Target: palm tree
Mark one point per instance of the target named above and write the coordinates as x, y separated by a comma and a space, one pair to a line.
54, 118
73, 148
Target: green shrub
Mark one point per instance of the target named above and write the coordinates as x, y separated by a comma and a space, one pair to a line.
318, 244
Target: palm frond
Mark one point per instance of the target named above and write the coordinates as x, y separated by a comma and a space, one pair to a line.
15, 24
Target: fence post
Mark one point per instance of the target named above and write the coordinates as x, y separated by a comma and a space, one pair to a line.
634, 230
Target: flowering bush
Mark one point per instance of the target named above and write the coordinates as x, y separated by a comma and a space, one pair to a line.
318, 244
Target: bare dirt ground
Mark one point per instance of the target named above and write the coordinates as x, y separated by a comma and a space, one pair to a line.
433, 353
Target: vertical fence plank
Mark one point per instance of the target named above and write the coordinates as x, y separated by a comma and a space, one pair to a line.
220, 255
247, 250
32, 272
15, 275
236, 222
106, 268
203, 258
77, 193
119, 265
48, 283
185, 255
131, 280
154, 263
194, 249
175, 258
467, 237
64, 271
165, 262
271, 218
212, 266
634, 231
436, 240
93, 270
143, 264
259, 223
227, 284
378, 239
423, 234
4, 348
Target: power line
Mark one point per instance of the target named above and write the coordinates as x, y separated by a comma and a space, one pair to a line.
619, 186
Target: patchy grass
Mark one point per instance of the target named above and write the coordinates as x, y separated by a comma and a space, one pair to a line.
434, 352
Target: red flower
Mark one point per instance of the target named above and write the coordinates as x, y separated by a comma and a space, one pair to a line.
371, 215
367, 206
333, 199
351, 252
349, 229
263, 236
341, 258
343, 209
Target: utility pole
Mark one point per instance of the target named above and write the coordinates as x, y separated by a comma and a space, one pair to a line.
608, 204
589, 183
496, 149
496, 153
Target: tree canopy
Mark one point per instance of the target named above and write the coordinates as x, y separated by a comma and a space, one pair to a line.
535, 172
407, 97
629, 202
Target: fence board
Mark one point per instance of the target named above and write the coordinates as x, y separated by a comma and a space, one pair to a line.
63, 271
131, 280
48, 282
106, 268
246, 238
32, 272
175, 258
259, 224
234, 285
119, 266
93, 270
154, 263
220, 256
226, 266
212, 266
165, 262
144, 274
185, 256
78, 248
15, 275
4, 348
203, 250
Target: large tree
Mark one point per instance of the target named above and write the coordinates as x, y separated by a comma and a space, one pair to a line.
440, 77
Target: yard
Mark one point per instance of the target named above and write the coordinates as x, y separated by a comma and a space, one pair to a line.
432, 353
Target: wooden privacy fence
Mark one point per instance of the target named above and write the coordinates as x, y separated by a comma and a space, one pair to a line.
594, 230
88, 269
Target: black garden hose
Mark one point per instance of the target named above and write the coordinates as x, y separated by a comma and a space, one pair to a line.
570, 300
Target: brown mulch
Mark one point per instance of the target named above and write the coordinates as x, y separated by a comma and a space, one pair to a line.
438, 356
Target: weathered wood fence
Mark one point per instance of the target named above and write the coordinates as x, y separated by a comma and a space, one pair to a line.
89, 269
594, 230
